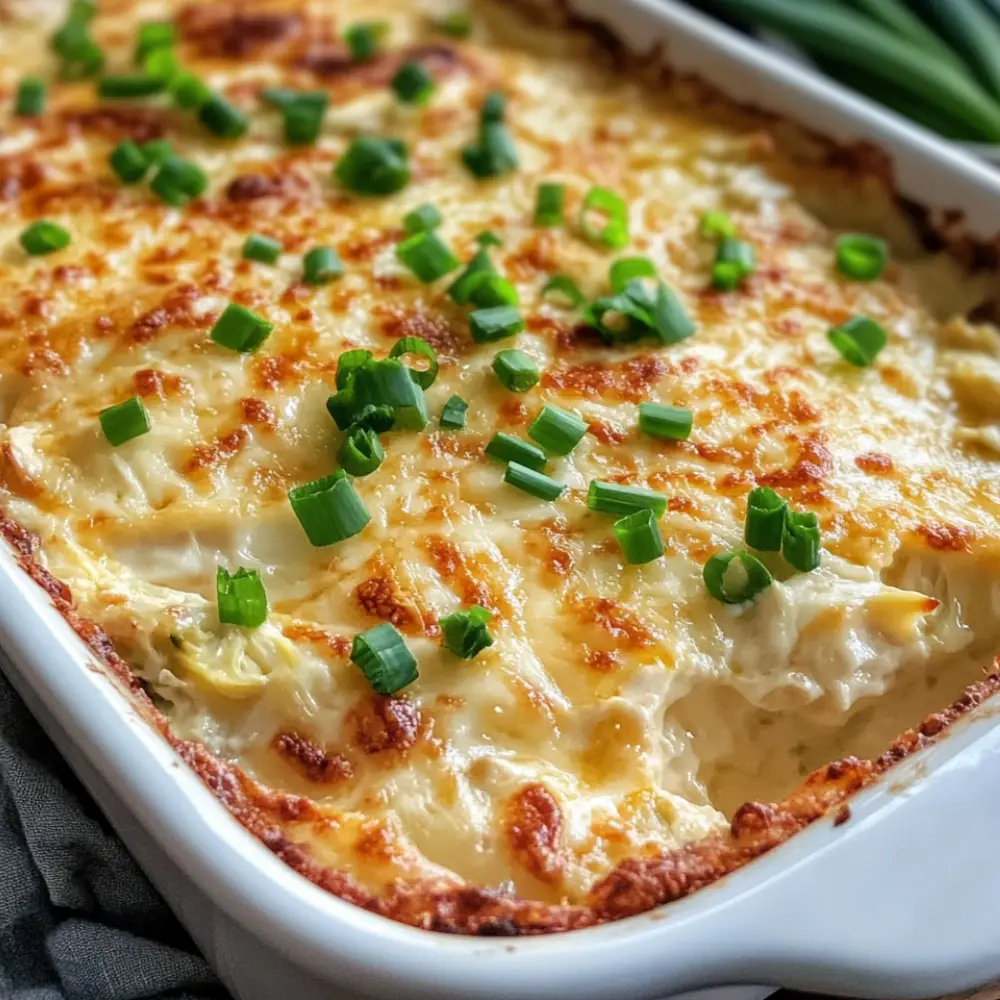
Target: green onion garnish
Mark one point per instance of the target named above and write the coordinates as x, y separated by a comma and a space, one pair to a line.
765, 520
153, 35
623, 317
241, 597
162, 64
378, 418
349, 362
373, 166
613, 498
382, 655
222, 119
494, 107
424, 377
718, 225
240, 330
492, 290
30, 100
734, 261
464, 633
157, 151
129, 162
188, 91
861, 257
81, 55
137, 85
671, 323
361, 452
321, 265
668, 422
389, 383
507, 448
365, 39
516, 370
800, 542
304, 117
557, 431
735, 577
859, 340
550, 207
262, 248
536, 483
427, 256
494, 154
124, 421
564, 285
497, 323
178, 181
328, 509
630, 269
639, 536
413, 84
461, 289
453, 414
612, 231
422, 219
44, 237
487, 238
457, 25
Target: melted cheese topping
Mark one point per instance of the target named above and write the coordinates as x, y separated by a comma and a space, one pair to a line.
621, 710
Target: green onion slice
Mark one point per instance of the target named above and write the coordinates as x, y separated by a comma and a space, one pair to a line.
859, 340
491, 290
718, 225
422, 219
361, 452
639, 536
413, 84
424, 377
162, 64
498, 323
30, 100
536, 483
734, 262
765, 520
127, 86
427, 256
564, 285
487, 238
670, 423
188, 91
304, 117
321, 265
507, 448
373, 166
736, 577
222, 119
516, 371
157, 151
630, 269
460, 290
153, 35
861, 257
124, 421
800, 541
241, 597
44, 237
364, 40
389, 383
261, 248
454, 412
671, 323
178, 181
494, 154
378, 418
129, 162
494, 107
550, 206
349, 362
612, 229
240, 330
464, 633
557, 431
614, 498
328, 509
383, 658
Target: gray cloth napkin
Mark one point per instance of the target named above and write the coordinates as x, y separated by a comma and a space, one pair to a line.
78, 919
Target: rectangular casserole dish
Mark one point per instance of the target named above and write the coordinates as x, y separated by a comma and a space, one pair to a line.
887, 904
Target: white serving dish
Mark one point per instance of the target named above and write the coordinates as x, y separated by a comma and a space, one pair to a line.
899, 901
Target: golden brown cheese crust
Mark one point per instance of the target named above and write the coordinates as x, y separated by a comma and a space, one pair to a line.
562, 759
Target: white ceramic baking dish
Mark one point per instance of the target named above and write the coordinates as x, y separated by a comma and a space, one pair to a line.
899, 901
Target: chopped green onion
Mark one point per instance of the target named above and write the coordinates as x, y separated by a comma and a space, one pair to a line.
497, 323
736, 577
453, 414
241, 597
328, 509
413, 84
156, 151
422, 219
124, 421
383, 658
153, 35
536, 483
424, 377
427, 256
378, 418
464, 633
87, 60
557, 431
304, 117
861, 257
349, 362
188, 91
734, 261
516, 370
389, 383
613, 498
671, 323
487, 238
718, 225
460, 290
612, 210
458, 25
639, 536
361, 452
494, 154
178, 181
507, 448
765, 520
800, 542
162, 64
279, 97
492, 290
30, 100
321, 265
365, 39
373, 166
661, 421
81, 55
564, 285
630, 269
129, 162
262, 248
859, 340
494, 107
550, 207
138, 85
622, 317
222, 119
240, 330
44, 237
